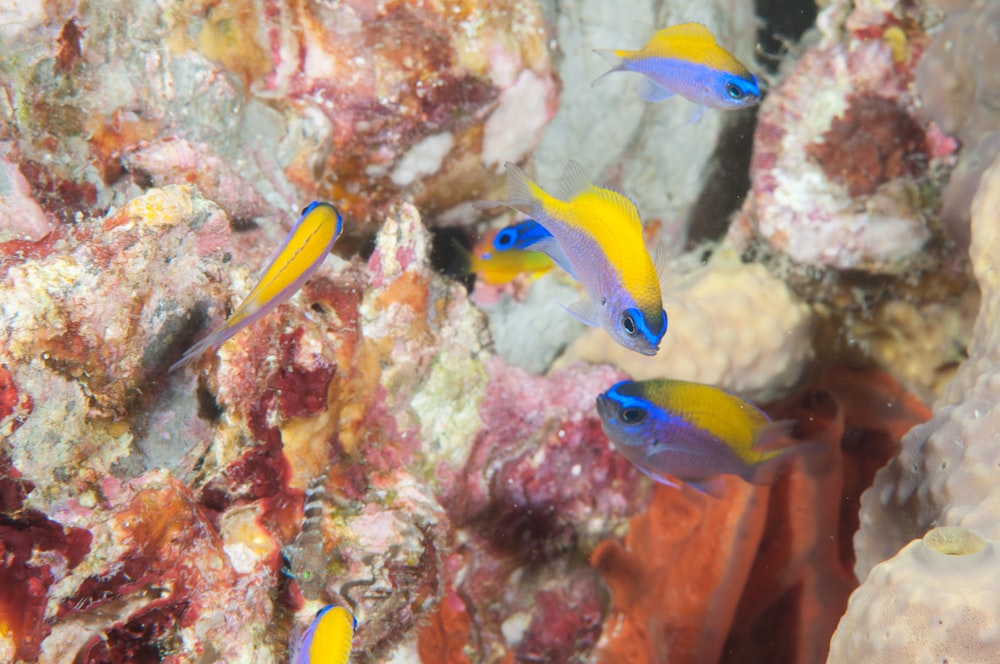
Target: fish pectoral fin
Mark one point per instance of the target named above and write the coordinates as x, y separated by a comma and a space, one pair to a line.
699, 110
553, 250
651, 91
583, 311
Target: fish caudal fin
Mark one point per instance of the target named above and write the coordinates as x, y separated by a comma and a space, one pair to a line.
614, 58
519, 189
814, 455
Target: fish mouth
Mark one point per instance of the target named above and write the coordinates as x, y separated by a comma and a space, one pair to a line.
605, 408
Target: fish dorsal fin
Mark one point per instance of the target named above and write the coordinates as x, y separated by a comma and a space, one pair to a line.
574, 181
691, 30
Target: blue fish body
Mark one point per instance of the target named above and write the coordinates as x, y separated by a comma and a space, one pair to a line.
686, 60
693, 432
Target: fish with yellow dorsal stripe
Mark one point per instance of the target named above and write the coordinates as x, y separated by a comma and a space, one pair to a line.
695, 432
291, 265
328, 639
596, 236
685, 59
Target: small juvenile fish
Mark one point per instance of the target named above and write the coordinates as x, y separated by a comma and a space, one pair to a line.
686, 60
694, 432
291, 265
597, 238
520, 235
501, 267
328, 639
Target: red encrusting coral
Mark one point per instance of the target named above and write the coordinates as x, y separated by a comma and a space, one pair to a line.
35, 552
707, 580
173, 563
874, 141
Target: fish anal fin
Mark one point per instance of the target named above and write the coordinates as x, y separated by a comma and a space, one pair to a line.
656, 477
713, 486
651, 91
583, 311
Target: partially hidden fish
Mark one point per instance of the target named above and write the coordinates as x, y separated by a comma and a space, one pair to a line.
501, 267
685, 59
520, 235
695, 433
291, 265
328, 639
596, 236
529, 235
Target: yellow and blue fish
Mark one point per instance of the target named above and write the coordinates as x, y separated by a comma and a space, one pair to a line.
501, 267
694, 432
686, 60
291, 265
328, 639
597, 238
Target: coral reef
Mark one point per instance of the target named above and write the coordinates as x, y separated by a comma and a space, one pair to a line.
944, 476
383, 441
934, 601
732, 324
104, 99
836, 177
957, 80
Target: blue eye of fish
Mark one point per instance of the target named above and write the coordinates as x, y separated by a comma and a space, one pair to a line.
632, 415
734, 91
628, 324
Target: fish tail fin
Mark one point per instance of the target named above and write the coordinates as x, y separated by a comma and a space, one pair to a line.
522, 192
614, 58
462, 263
211, 341
779, 455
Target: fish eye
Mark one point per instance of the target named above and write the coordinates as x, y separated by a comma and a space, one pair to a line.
734, 91
504, 239
632, 415
628, 324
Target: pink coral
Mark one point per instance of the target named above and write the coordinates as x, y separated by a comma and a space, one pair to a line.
815, 197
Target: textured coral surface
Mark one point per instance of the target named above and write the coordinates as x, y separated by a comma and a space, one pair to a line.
946, 472
368, 443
